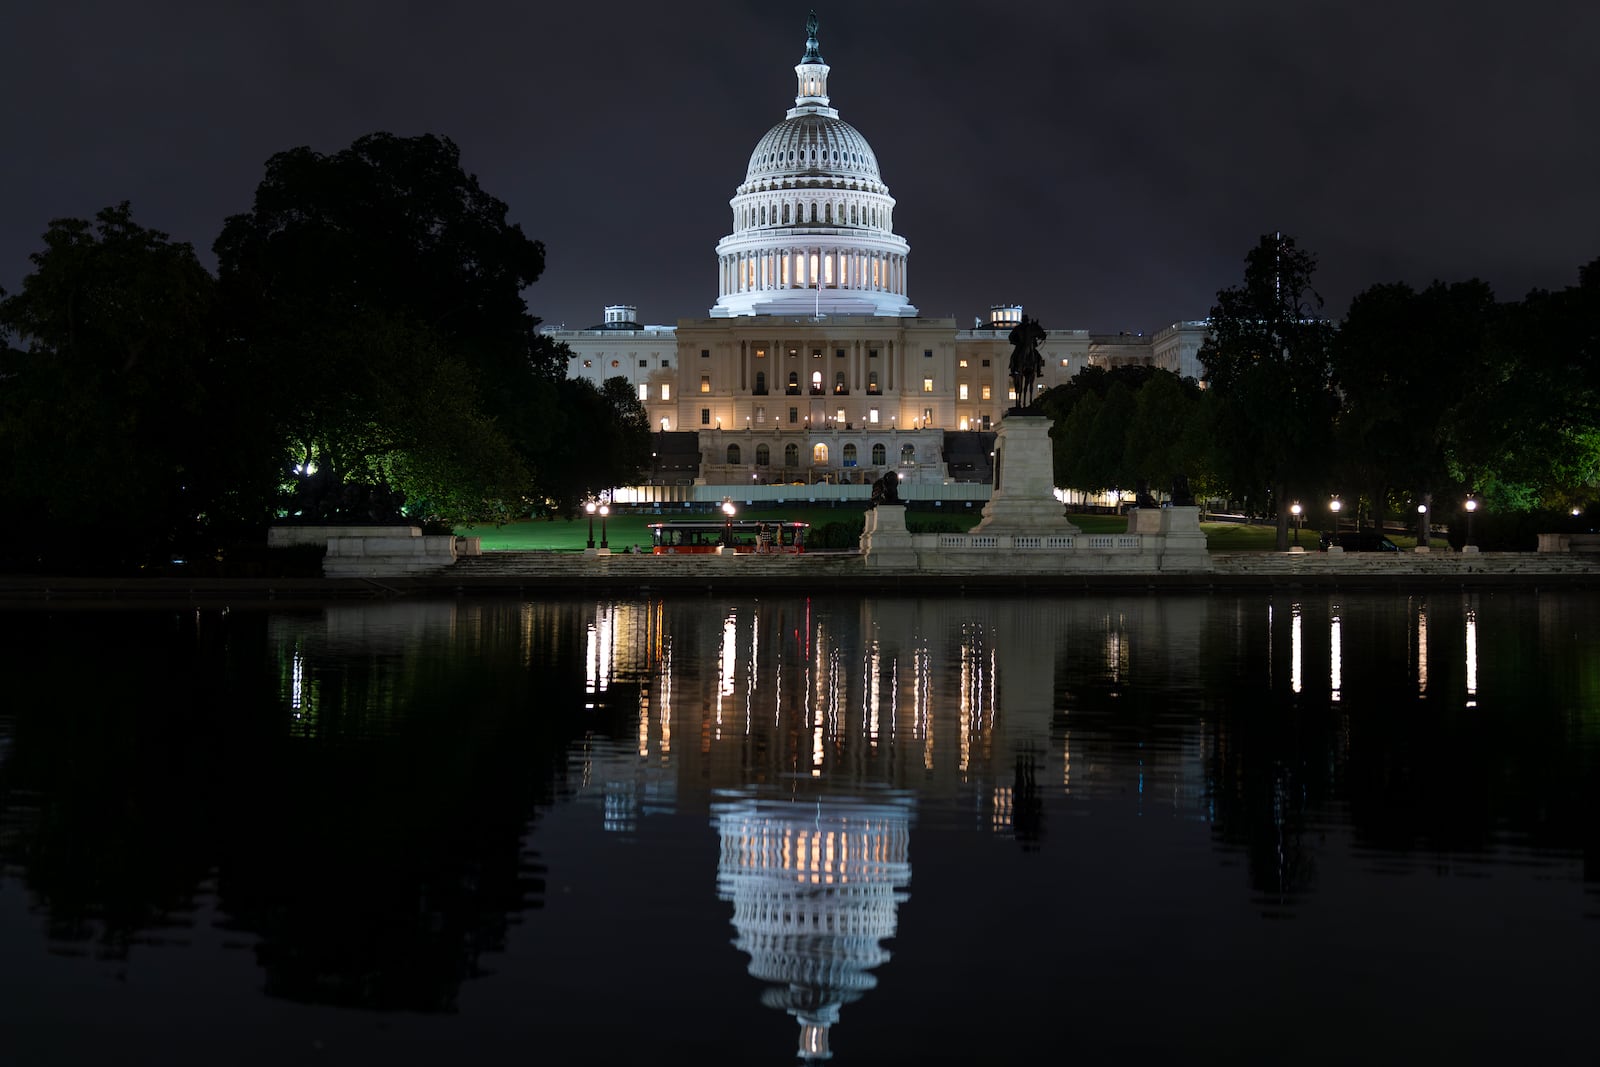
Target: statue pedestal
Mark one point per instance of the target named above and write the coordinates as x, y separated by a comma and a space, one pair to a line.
1175, 531
1024, 500
885, 541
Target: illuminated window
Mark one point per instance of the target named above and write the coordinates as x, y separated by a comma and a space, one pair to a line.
838, 383
616, 363
761, 353
666, 391
872, 416
872, 381
927, 416
927, 385
838, 416
961, 363
816, 353
588, 363
962, 390
1063, 363
816, 381
644, 391
819, 454
733, 454
705, 383
986, 395
879, 455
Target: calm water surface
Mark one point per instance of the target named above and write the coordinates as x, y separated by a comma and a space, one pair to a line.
1093, 830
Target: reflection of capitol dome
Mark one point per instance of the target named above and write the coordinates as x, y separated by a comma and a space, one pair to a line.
813, 223
815, 886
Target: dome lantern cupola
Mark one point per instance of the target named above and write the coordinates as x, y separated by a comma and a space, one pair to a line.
812, 96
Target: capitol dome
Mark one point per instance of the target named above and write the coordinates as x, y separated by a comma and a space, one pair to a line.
813, 223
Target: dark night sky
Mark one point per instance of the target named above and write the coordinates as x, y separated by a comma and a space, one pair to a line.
1106, 163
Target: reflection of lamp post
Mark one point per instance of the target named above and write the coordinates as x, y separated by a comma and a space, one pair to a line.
1472, 509
727, 521
605, 509
1294, 509
589, 507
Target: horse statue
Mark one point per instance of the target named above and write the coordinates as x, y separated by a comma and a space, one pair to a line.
1027, 365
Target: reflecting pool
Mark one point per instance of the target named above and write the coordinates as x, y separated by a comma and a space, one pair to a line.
1287, 829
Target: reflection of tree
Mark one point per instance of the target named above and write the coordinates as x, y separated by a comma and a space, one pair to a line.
1027, 803
376, 865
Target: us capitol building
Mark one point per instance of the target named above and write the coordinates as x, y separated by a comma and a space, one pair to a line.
814, 366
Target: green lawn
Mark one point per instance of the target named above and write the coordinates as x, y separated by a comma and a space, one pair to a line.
629, 529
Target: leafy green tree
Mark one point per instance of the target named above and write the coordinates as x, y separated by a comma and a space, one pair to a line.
604, 442
123, 438
1527, 432
1404, 361
374, 300
1266, 357
1159, 441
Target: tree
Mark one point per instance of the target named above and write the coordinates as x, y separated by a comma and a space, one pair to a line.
123, 440
1159, 442
603, 442
374, 298
1404, 361
1266, 356
1527, 432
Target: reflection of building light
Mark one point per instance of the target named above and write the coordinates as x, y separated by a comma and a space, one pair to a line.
1335, 669
1114, 654
297, 680
874, 664
1422, 649
1472, 658
1294, 647
664, 694
1066, 761
599, 654
815, 887
1001, 823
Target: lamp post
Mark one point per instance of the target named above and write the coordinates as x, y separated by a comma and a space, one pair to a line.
589, 507
605, 509
727, 521
1422, 528
1472, 509
1334, 505
1295, 510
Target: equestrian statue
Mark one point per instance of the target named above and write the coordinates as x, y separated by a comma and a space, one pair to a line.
1027, 365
